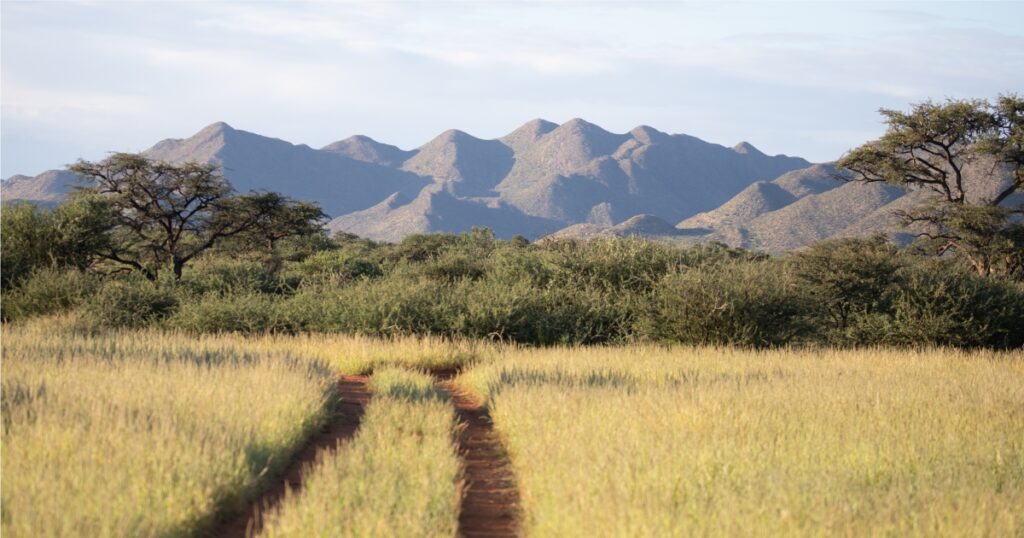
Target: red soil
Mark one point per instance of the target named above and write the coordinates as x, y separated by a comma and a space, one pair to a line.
354, 395
490, 503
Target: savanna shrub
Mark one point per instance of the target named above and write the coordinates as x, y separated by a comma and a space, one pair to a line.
47, 291
935, 303
344, 265
129, 302
848, 279
229, 276
524, 313
381, 307
732, 303
243, 313
452, 265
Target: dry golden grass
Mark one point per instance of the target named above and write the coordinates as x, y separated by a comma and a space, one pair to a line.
143, 433
140, 433
398, 477
152, 433
679, 442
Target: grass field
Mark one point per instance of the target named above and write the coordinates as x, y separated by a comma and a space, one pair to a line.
143, 434
680, 442
147, 433
398, 477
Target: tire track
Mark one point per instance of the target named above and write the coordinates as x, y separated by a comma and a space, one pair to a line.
490, 501
354, 394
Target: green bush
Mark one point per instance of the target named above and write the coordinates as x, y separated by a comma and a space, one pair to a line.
243, 313
934, 303
349, 263
230, 276
68, 236
394, 305
848, 279
47, 291
733, 303
536, 315
129, 302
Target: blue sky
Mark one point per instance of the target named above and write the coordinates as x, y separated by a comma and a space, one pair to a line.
80, 79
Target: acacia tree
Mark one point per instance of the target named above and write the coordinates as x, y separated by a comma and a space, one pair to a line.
274, 218
169, 213
932, 147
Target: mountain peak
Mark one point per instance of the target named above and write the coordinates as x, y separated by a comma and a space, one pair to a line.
540, 125
451, 136
580, 124
366, 149
215, 128
746, 148
647, 134
534, 128
529, 133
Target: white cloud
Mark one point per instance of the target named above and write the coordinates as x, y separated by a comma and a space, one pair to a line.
405, 71
71, 108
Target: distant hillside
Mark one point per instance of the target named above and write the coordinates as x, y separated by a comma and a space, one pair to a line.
536, 180
804, 206
648, 226
50, 187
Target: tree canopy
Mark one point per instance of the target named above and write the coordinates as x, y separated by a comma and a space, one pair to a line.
933, 147
168, 213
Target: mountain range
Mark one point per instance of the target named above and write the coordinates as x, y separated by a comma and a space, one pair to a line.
543, 179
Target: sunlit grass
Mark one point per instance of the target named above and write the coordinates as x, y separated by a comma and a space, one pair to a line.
398, 477
678, 442
353, 354
143, 433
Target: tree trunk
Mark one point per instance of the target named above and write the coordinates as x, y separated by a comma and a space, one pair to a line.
179, 265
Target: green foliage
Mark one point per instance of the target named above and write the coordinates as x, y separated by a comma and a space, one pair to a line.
70, 235
928, 146
931, 147
25, 242
845, 292
167, 213
550, 315
746, 304
934, 304
243, 313
129, 302
231, 276
847, 278
47, 291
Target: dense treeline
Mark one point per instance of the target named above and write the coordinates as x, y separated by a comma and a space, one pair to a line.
848, 292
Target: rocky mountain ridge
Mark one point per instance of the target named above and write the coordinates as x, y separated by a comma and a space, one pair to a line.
538, 179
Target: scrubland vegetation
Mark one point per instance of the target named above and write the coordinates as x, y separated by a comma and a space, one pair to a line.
648, 441
399, 476
845, 293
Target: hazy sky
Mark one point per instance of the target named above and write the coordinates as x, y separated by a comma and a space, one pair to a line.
80, 79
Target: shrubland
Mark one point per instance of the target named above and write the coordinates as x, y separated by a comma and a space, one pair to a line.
472, 285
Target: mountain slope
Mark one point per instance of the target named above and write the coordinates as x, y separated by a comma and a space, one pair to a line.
817, 216
764, 197
50, 187
366, 149
537, 179
565, 172
437, 208
252, 162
